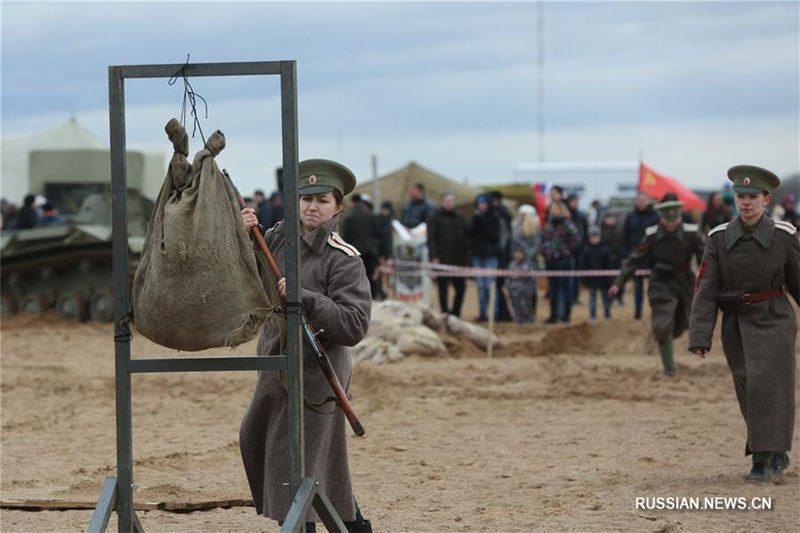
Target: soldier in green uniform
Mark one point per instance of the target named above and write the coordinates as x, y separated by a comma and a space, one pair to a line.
749, 263
670, 245
336, 298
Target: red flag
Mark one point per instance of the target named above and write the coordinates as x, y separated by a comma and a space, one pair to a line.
540, 201
657, 185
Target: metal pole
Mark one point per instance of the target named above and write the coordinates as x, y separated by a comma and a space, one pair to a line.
492, 299
376, 188
540, 71
122, 347
294, 344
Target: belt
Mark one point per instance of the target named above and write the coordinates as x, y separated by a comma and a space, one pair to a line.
668, 269
755, 297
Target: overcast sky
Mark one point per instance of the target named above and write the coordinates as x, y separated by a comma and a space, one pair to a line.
694, 87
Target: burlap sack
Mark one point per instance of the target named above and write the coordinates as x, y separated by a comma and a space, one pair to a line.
419, 340
197, 284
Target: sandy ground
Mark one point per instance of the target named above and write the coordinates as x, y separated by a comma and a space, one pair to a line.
561, 430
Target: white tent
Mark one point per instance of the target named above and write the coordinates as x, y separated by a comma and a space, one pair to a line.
16, 154
72, 145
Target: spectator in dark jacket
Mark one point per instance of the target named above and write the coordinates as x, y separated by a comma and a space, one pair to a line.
275, 208
361, 229
448, 243
418, 209
385, 252
28, 217
596, 256
262, 208
385, 217
611, 234
484, 232
642, 217
501, 312
559, 244
578, 218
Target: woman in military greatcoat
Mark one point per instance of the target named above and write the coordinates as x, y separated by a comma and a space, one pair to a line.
749, 265
670, 245
336, 299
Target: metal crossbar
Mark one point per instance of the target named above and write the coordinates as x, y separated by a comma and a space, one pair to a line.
117, 492
207, 364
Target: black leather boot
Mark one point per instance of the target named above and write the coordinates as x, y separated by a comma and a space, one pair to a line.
761, 467
778, 463
360, 524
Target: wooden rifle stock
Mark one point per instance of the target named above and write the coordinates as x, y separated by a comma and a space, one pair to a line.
321, 357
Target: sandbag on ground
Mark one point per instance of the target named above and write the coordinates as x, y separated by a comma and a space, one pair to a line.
197, 284
398, 329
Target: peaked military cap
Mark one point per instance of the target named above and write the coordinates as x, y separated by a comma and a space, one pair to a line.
323, 175
752, 179
669, 210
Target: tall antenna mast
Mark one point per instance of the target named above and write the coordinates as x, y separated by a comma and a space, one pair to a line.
540, 74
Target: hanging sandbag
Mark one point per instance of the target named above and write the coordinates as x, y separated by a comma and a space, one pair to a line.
197, 284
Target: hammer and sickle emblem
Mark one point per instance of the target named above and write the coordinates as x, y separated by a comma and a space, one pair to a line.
649, 179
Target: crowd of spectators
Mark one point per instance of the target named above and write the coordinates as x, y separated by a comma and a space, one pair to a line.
562, 238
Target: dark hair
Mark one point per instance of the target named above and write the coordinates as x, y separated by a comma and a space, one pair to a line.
558, 189
420, 186
48, 207
710, 200
29, 199
258, 192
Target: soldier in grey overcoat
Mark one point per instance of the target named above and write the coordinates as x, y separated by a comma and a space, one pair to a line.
670, 244
336, 299
750, 263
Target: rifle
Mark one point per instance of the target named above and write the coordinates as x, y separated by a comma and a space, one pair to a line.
321, 357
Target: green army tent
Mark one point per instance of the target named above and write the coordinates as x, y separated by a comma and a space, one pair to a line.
394, 187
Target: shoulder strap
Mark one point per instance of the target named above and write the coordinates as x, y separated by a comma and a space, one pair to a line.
721, 227
337, 242
786, 226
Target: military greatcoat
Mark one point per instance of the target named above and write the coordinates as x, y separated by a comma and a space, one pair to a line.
336, 297
759, 343
671, 281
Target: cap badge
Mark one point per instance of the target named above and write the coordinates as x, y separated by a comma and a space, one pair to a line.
746, 181
312, 179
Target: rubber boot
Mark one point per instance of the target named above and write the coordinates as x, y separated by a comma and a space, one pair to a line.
667, 357
761, 467
778, 463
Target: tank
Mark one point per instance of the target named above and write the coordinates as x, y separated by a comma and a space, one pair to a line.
68, 266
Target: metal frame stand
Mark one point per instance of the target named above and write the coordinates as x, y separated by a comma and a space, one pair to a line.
117, 493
